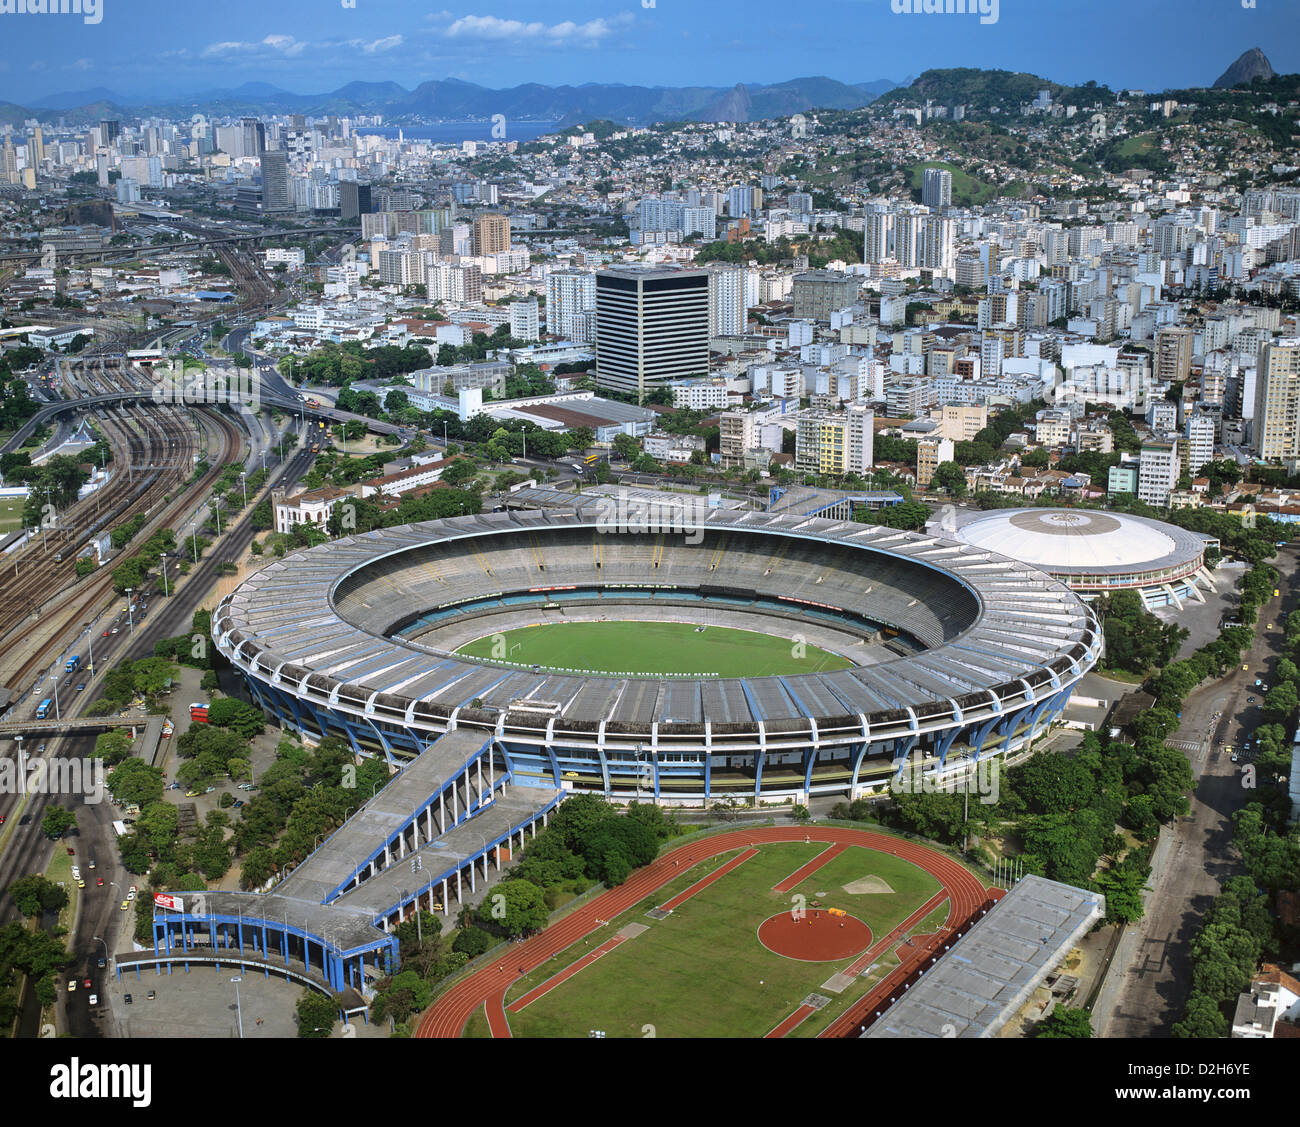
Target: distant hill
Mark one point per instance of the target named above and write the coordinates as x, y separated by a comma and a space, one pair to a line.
452, 100
1252, 65
980, 91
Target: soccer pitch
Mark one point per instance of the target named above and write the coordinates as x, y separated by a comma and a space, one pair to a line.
654, 648
702, 972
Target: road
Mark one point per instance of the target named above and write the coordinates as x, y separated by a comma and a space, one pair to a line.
1152, 988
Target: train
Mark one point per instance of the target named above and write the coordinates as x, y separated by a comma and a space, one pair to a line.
73, 546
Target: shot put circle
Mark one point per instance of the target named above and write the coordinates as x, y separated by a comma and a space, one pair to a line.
814, 937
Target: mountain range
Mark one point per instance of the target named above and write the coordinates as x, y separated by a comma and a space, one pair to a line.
453, 100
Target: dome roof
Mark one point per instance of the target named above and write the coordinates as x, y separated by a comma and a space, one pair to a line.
1075, 540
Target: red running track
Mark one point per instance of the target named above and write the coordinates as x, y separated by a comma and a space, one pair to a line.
802, 874
449, 1013
802, 1014
704, 882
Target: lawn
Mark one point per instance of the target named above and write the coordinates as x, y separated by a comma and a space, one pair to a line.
702, 972
11, 513
654, 648
966, 190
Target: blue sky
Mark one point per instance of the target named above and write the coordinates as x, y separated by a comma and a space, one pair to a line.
312, 46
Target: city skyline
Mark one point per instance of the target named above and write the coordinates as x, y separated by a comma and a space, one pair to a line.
310, 47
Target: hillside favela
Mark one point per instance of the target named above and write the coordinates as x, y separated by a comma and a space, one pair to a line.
573, 531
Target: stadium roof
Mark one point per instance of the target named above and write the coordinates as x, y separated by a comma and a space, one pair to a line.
1062, 541
1021, 635
991, 971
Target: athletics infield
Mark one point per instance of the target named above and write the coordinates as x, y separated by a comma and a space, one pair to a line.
821, 964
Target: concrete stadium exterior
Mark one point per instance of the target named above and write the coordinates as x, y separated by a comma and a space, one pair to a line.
961, 653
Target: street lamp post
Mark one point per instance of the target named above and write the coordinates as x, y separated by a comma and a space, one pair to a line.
244, 482
130, 610
90, 656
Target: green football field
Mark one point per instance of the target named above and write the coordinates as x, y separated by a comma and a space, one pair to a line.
11, 513
702, 972
654, 647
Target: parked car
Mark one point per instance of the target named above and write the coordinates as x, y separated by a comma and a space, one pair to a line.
125, 905
94, 999
126, 998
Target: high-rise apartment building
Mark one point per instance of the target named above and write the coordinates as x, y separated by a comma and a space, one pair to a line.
931, 452
936, 188
652, 327
819, 293
568, 293
524, 320
1174, 354
728, 310
491, 234
1160, 467
835, 442
1277, 400
276, 196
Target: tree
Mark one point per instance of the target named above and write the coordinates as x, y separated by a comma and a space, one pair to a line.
1202, 1018
57, 821
238, 716
316, 1015
515, 907
951, 478
136, 782
35, 895
472, 941
1062, 1023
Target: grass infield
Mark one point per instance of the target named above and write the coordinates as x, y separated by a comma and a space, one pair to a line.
702, 971
654, 648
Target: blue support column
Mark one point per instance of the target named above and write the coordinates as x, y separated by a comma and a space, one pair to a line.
759, 757
944, 743
902, 749
809, 758
555, 764
708, 775
980, 735
861, 754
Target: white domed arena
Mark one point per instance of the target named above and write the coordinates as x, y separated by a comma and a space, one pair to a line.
1097, 553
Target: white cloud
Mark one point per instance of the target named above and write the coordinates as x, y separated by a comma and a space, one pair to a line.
385, 44
565, 33
285, 45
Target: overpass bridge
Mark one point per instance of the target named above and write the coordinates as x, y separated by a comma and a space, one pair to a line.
81, 725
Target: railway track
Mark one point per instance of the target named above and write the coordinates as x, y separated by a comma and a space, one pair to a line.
76, 602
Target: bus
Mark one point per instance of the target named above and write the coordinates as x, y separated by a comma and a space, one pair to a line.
199, 713
591, 459
43, 709
73, 662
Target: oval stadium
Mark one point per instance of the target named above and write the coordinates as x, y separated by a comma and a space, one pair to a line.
869, 644
1097, 553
